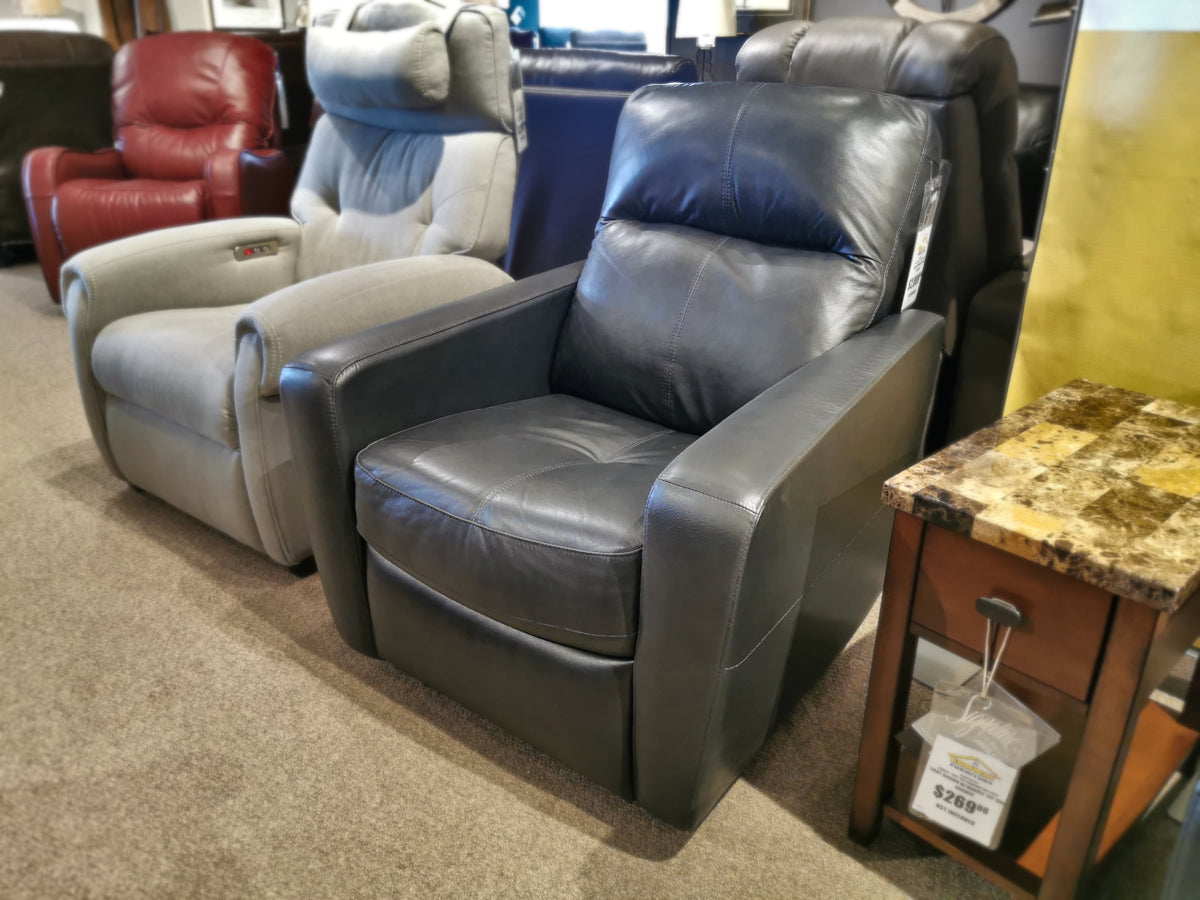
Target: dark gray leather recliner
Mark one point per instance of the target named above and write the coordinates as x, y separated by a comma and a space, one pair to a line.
615, 507
964, 74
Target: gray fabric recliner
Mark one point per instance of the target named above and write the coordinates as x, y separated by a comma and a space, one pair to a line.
403, 203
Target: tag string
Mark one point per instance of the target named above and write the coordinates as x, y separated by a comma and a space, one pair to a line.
989, 671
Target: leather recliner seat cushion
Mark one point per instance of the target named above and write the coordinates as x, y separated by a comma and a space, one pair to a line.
530, 513
177, 363
91, 211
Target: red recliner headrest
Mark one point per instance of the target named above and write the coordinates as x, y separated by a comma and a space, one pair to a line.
178, 97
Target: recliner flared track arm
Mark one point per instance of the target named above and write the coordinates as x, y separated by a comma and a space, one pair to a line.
611, 505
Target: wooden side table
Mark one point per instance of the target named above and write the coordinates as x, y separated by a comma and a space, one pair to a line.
1083, 509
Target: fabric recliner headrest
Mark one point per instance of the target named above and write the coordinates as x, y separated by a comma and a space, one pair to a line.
352, 73
469, 84
719, 165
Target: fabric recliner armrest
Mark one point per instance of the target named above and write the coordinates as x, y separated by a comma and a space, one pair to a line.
248, 183
491, 348
729, 528
174, 268
302, 316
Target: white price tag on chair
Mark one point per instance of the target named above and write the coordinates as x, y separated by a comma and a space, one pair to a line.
965, 790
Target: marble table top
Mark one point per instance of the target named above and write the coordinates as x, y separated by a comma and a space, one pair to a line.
1099, 483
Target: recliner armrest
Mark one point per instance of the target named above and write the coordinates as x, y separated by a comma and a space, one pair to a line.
305, 315
491, 348
45, 168
175, 268
248, 183
42, 171
729, 528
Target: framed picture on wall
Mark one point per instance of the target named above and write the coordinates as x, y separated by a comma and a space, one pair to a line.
247, 15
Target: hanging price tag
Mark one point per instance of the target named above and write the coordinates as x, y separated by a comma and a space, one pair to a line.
931, 205
965, 790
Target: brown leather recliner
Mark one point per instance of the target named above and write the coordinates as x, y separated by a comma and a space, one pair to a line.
194, 119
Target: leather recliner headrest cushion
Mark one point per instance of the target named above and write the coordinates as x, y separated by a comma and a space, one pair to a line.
353, 72
901, 56
720, 166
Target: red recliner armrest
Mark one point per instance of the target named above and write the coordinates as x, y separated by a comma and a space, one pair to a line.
248, 183
42, 171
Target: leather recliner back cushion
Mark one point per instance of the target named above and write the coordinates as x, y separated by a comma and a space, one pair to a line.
179, 97
965, 76
721, 265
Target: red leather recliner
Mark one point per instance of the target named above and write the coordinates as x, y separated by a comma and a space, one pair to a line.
194, 119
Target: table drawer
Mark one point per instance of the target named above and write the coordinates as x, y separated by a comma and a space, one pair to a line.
1064, 620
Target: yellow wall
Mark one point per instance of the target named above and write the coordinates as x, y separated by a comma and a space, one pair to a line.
1114, 295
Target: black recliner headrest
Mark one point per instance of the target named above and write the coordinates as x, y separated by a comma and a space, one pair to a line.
602, 70
742, 180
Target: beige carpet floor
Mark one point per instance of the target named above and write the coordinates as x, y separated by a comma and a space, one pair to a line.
178, 718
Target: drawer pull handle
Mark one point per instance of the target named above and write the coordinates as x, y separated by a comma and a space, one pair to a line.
999, 611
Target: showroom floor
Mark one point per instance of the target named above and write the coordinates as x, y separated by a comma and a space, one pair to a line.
178, 718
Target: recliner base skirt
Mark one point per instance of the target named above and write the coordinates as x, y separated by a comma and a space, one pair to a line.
188, 471
572, 704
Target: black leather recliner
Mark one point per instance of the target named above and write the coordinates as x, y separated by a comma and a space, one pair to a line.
964, 74
572, 101
616, 507
54, 90
993, 319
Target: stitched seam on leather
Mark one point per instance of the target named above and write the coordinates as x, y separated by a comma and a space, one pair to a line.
683, 315
962, 62
517, 479
903, 218
727, 169
686, 487
501, 534
887, 78
491, 613
800, 599
743, 553
221, 77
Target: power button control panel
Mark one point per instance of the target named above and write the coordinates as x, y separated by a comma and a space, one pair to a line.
243, 252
